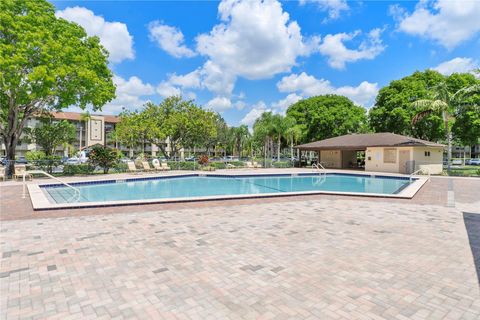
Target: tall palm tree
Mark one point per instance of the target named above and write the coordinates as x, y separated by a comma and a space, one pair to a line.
444, 102
293, 133
264, 129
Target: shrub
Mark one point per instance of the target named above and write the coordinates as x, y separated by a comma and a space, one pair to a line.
120, 167
103, 157
203, 160
182, 165
218, 165
282, 164
73, 169
33, 156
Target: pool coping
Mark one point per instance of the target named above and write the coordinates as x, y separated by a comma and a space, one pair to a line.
40, 200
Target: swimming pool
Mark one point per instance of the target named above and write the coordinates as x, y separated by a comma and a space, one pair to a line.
212, 186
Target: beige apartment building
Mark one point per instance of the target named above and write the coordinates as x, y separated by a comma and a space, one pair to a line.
95, 130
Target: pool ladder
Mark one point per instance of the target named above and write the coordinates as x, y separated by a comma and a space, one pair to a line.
417, 173
319, 168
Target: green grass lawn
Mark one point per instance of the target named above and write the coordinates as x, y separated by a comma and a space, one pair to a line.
467, 171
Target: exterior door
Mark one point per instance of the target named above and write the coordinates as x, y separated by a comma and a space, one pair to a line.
403, 158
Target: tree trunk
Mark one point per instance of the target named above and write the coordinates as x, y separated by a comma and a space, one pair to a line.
10, 148
278, 147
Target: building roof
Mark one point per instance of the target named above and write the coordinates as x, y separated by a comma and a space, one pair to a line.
76, 116
363, 141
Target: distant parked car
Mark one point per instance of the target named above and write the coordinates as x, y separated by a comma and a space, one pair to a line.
474, 162
73, 160
190, 158
457, 162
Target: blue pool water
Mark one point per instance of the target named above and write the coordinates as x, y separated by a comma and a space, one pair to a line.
201, 186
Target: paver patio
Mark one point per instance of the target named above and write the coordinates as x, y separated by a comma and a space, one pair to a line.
309, 258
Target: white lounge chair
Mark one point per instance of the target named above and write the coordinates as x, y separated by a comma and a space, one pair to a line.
165, 166
20, 169
146, 166
3, 174
256, 165
132, 167
249, 165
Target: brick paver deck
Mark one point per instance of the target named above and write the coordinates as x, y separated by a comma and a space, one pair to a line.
295, 258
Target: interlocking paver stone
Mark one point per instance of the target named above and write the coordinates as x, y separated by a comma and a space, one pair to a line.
312, 259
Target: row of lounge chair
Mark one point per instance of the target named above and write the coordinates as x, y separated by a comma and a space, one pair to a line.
157, 166
19, 170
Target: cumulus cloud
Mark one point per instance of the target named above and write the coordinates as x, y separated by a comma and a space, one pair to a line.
333, 46
130, 93
308, 86
333, 7
114, 36
170, 39
167, 90
444, 21
283, 104
254, 113
255, 40
457, 65
219, 104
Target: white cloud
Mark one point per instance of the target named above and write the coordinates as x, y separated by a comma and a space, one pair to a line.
167, 90
219, 104
255, 112
114, 36
457, 65
333, 7
189, 80
338, 54
445, 21
363, 94
283, 104
255, 40
130, 94
170, 39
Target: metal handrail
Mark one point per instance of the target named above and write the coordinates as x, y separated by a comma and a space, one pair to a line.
318, 166
76, 195
418, 171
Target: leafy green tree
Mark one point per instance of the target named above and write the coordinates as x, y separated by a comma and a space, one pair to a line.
264, 131
240, 136
129, 130
445, 102
327, 116
103, 157
293, 133
394, 111
51, 134
46, 63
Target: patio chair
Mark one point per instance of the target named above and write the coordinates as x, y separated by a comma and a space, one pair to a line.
132, 167
156, 165
230, 166
20, 169
256, 165
146, 166
165, 166
249, 165
2, 174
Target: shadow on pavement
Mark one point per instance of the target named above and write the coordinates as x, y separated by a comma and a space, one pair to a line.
472, 224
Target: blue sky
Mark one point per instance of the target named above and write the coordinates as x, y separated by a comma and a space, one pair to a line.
241, 58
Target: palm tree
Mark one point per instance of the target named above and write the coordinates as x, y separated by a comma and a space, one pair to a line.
264, 130
293, 133
445, 103
240, 135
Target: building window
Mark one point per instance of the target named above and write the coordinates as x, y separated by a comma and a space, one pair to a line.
389, 155
427, 153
